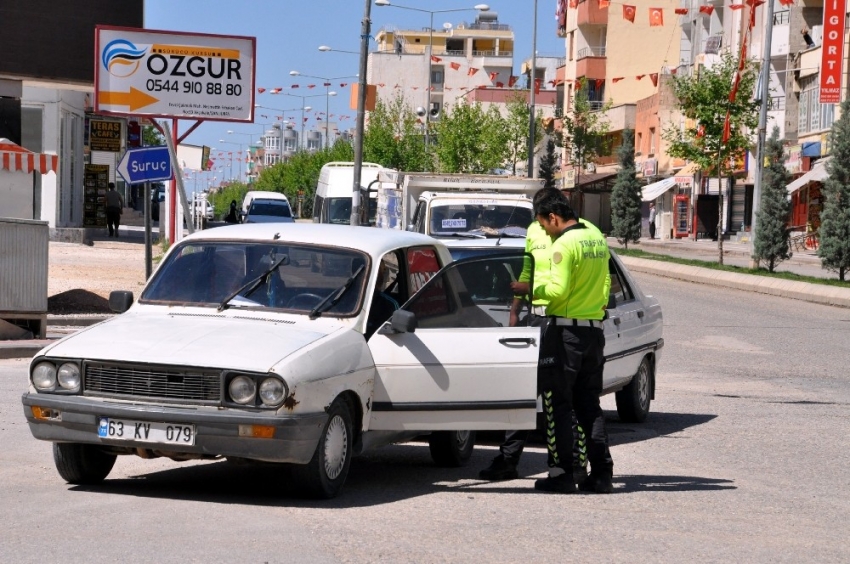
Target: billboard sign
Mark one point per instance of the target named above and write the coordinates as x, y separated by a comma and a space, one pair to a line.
832, 51
174, 75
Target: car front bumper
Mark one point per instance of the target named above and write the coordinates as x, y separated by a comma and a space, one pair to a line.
217, 432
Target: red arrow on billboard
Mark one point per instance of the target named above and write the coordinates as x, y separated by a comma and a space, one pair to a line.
134, 99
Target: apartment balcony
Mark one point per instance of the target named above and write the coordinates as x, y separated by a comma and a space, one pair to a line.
589, 13
621, 117
591, 67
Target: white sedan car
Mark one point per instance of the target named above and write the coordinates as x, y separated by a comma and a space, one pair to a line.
286, 343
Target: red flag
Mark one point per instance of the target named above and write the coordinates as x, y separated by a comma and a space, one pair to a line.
618, 79
447, 88
261, 90
707, 10
739, 6
579, 83
305, 120
415, 87
674, 71
629, 12
381, 84
654, 78
471, 71
493, 76
326, 84
500, 85
727, 128
537, 82
455, 66
436, 59
640, 76
599, 83
656, 17
512, 80
573, 3
786, 2
681, 11
482, 87
294, 86
604, 3
276, 90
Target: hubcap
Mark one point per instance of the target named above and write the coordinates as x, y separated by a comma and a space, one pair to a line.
462, 437
643, 386
336, 447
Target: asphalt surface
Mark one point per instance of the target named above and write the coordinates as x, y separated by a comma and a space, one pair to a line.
802, 262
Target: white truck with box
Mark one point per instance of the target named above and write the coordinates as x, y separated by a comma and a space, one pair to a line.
332, 203
457, 207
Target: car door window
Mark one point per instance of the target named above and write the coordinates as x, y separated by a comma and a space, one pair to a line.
619, 285
470, 293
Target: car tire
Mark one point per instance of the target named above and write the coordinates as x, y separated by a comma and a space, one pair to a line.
324, 476
451, 449
82, 464
633, 400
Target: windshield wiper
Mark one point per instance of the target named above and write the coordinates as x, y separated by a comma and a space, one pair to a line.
252, 284
333, 298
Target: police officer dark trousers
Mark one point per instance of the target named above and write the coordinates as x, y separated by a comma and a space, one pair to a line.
572, 352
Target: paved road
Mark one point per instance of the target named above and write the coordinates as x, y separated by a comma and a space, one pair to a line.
743, 459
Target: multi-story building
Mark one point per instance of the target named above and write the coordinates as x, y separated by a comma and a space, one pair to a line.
452, 61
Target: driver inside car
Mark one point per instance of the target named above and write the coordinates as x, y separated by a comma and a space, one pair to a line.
383, 305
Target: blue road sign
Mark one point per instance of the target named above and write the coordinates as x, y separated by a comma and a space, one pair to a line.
148, 164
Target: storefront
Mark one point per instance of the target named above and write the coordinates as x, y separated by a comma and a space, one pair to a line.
673, 203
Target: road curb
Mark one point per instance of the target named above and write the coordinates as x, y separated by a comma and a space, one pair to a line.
805, 291
21, 349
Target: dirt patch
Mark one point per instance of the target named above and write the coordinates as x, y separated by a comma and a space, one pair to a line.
77, 301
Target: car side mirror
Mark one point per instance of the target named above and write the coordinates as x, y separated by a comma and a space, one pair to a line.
120, 301
612, 301
402, 321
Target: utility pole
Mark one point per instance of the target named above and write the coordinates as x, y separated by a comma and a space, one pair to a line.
532, 87
762, 131
360, 126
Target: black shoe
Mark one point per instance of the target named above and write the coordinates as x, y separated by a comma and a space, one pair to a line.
559, 484
499, 469
579, 474
600, 484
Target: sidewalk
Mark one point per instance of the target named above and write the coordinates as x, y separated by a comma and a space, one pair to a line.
737, 254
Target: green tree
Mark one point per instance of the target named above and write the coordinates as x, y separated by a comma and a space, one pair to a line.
626, 194
771, 242
392, 139
470, 140
222, 196
548, 164
704, 100
834, 249
584, 135
151, 137
516, 130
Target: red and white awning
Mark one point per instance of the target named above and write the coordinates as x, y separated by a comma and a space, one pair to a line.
15, 158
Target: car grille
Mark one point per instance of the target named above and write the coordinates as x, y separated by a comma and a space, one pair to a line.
165, 383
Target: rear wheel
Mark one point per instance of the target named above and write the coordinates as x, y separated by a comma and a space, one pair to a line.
633, 400
325, 474
451, 448
82, 464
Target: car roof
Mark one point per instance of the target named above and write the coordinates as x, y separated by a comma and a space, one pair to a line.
373, 240
272, 201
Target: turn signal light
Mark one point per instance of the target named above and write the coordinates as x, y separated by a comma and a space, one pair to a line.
45, 413
256, 431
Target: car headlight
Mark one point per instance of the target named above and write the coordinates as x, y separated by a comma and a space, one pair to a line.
44, 377
242, 390
272, 391
68, 376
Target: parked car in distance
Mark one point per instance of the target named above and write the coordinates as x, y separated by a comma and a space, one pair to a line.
633, 332
263, 194
269, 211
276, 345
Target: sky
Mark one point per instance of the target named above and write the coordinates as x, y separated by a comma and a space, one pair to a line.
289, 33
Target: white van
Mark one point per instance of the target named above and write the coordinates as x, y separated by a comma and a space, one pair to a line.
253, 194
332, 203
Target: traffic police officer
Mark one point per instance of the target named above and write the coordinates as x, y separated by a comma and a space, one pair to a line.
577, 290
537, 244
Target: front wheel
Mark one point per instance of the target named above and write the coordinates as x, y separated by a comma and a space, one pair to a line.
82, 464
325, 474
633, 400
451, 448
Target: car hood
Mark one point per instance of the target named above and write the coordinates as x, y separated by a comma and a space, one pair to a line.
228, 340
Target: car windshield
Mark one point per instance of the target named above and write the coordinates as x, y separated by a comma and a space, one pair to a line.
270, 207
339, 210
205, 273
481, 219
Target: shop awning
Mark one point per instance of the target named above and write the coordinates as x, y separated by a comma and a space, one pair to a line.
652, 191
15, 158
817, 174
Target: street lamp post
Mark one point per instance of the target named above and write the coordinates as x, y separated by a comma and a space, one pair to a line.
365, 30
479, 7
328, 93
250, 140
231, 160
304, 108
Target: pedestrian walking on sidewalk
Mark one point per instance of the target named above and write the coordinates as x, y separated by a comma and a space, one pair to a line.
114, 208
651, 220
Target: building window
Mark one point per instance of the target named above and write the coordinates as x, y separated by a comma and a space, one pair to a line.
437, 76
651, 140
813, 116
639, 144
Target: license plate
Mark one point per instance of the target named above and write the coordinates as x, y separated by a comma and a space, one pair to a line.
146, 431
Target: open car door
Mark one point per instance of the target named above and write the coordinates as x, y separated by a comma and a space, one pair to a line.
448, 359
